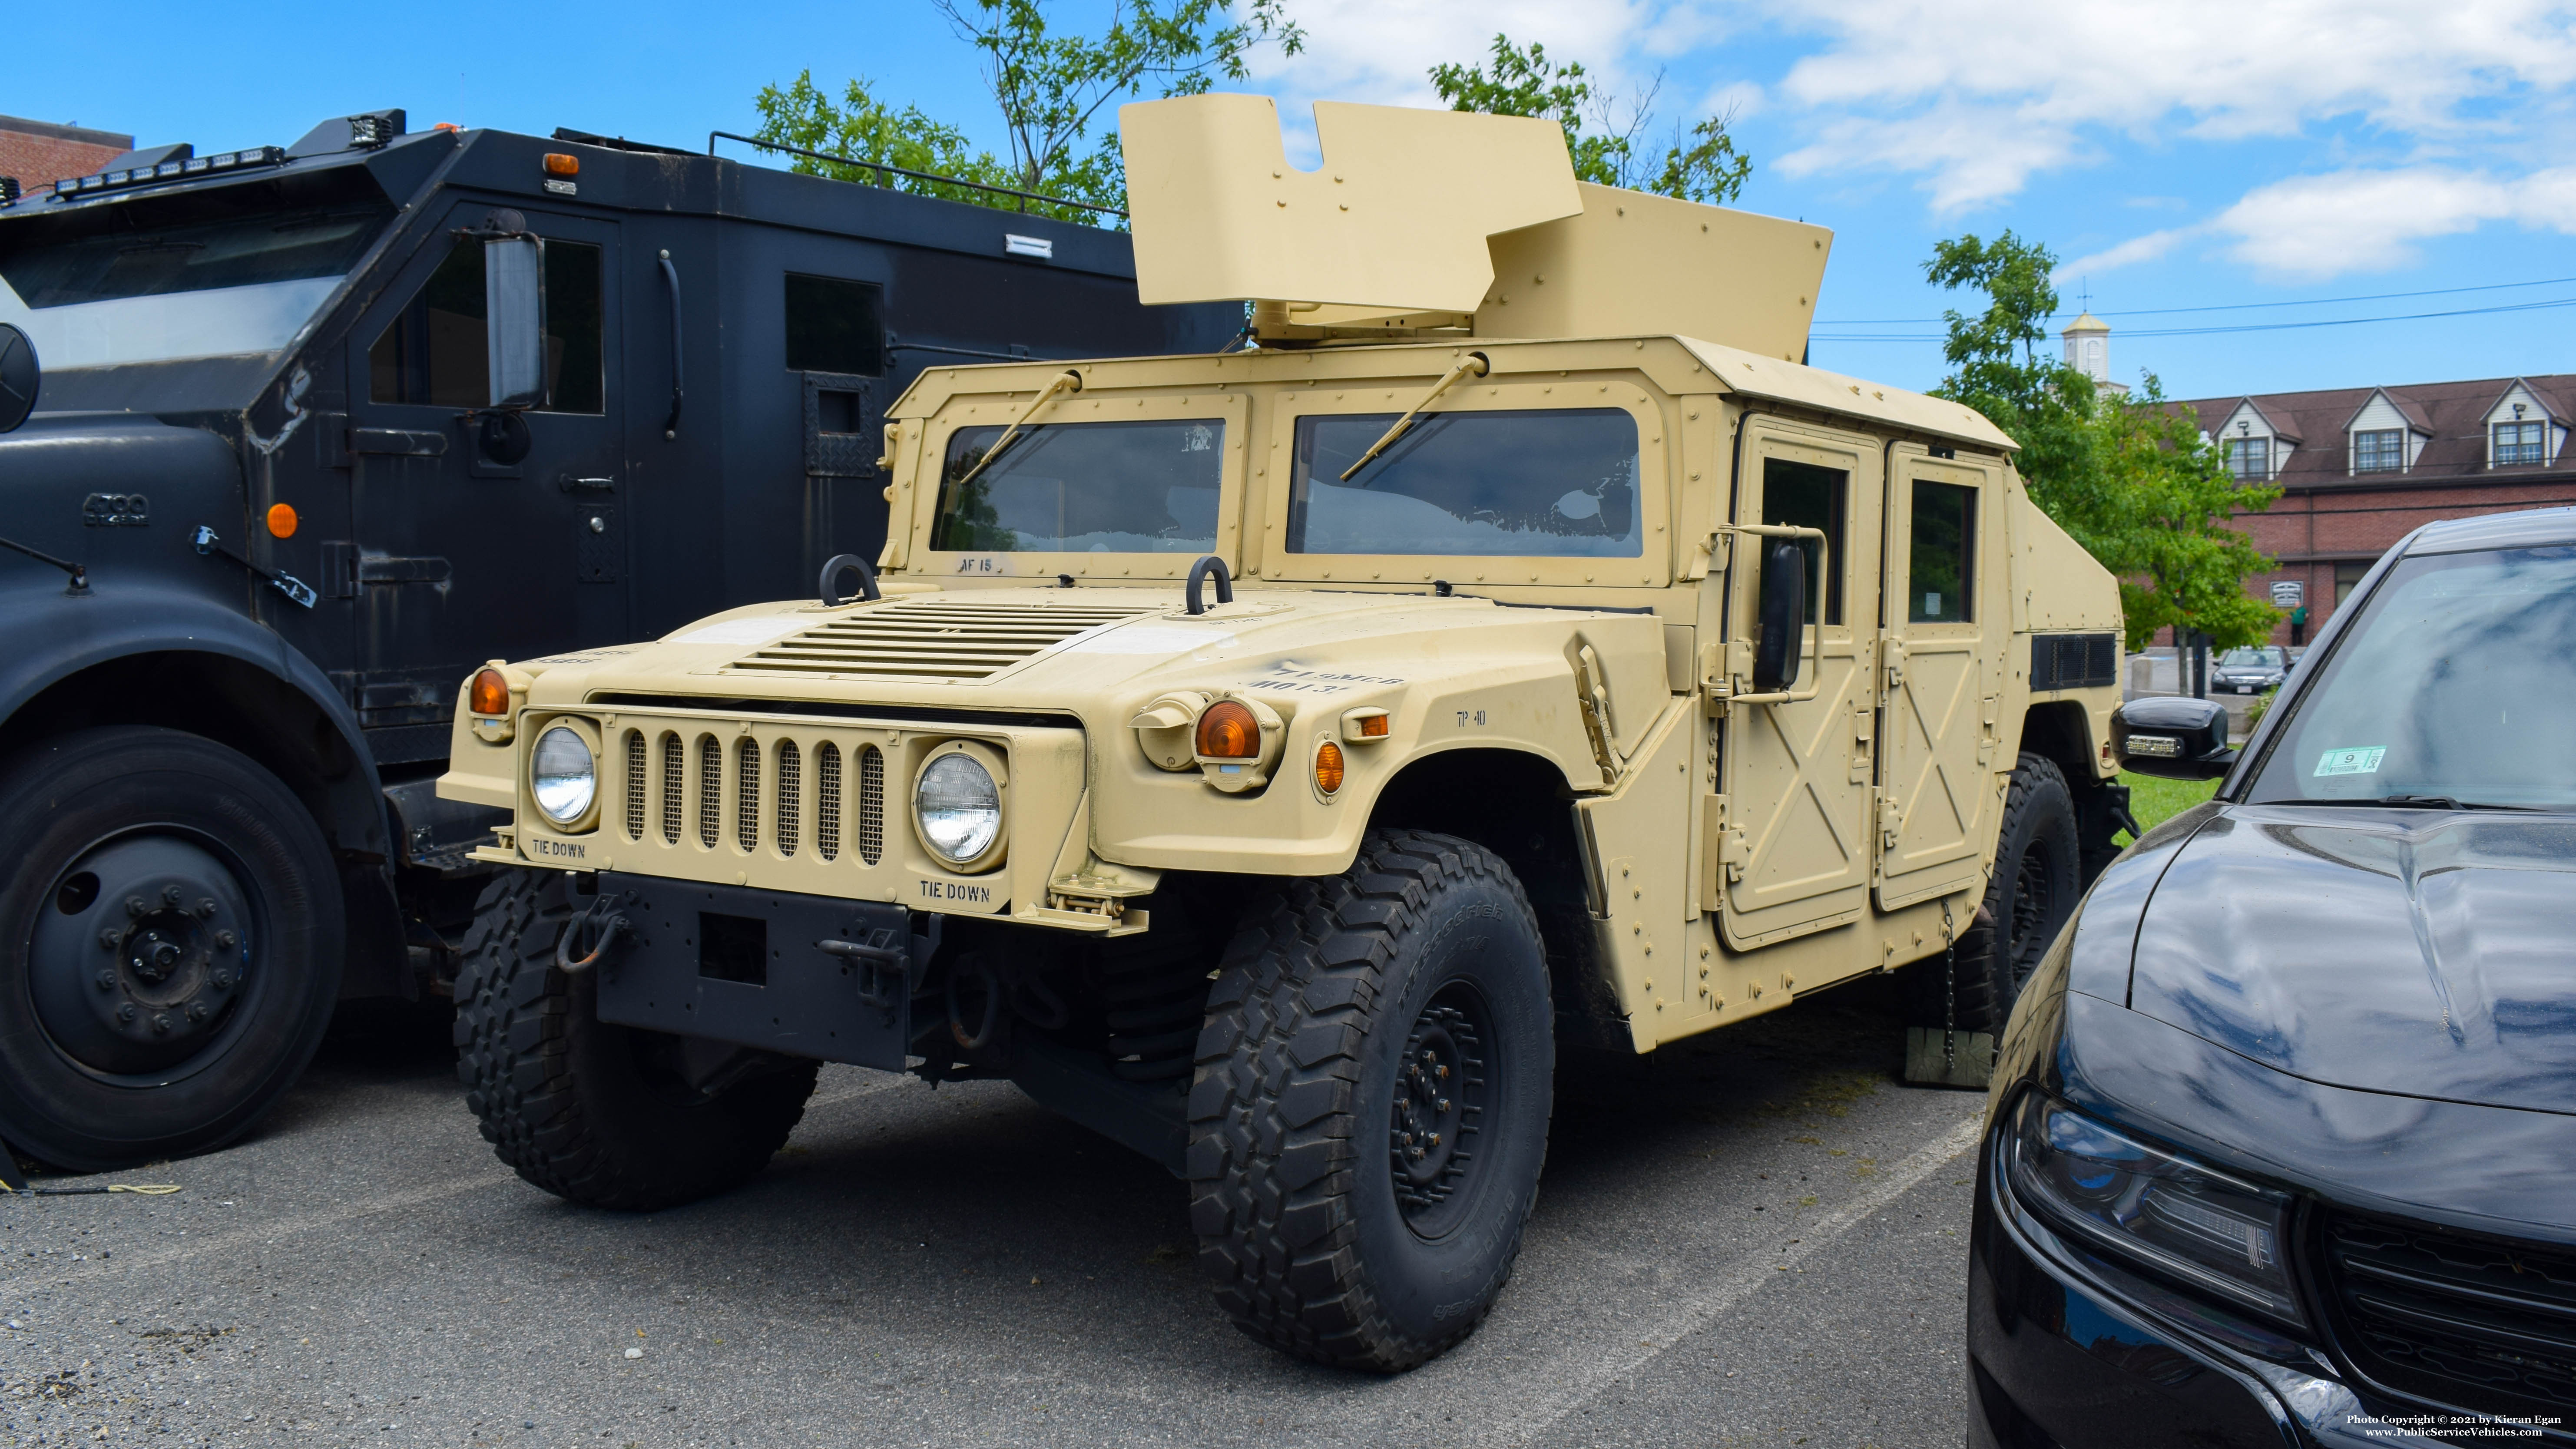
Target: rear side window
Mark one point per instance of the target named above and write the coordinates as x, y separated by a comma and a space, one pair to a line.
1537, 483
435, 350
1141, 487
835, 325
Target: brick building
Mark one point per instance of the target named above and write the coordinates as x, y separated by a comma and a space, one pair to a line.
2360, 467
39, 153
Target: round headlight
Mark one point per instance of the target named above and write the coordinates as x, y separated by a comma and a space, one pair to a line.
563, 775
959, 808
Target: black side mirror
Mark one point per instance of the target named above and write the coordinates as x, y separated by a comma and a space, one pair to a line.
2173, 738
514, 319
19, 377
1784, 616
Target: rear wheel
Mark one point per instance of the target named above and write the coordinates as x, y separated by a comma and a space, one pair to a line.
1370, 1108
170, 945
595, 1113
2038, 877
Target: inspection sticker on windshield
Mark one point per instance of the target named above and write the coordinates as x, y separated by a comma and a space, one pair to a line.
2362, 761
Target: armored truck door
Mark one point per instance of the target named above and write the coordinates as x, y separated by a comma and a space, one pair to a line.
1796, 778
1942, 676
481, 535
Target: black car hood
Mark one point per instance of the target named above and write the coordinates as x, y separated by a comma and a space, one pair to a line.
2419, 952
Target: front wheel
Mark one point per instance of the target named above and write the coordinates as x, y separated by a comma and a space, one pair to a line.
170, 945
1370, 1107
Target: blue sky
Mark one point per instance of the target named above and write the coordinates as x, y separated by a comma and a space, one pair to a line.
2191, 153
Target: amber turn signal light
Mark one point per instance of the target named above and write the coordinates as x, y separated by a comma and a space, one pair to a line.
1373, 727
1328, 768
559, 164
1227, 731
490, 694
281, 520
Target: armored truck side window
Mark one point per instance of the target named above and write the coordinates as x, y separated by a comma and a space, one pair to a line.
434, 350
1941, 565
835, 326
1534, 483
1142, 487
1803, 495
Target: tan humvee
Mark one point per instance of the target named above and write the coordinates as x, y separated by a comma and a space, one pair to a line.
1591, 671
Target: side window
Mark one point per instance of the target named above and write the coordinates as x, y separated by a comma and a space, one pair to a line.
434, 351
1802, 495
835, 326
1552, 483
1941, 566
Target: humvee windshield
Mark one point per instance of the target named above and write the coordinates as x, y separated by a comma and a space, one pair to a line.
216, 273
1552, 482
1140, 487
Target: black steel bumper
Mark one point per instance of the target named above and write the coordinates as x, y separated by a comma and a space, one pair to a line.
2061, 1357
809, 976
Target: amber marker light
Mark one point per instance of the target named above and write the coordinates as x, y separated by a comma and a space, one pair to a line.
1227, 731
559, 164
1328, 768
490, 694
281, 520
1373, 727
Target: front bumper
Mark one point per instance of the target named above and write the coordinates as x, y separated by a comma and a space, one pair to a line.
2064, 1355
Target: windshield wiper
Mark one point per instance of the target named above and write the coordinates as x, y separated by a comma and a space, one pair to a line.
2416, 802
1474, 365
1065, 382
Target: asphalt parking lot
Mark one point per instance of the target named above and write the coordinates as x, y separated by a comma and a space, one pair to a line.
1757, 1240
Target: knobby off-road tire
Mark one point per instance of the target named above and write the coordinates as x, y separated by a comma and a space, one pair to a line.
1370, 1105
2038, 877
170, 945
584, 1109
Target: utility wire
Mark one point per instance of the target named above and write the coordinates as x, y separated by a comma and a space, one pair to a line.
2224, 306
2241, 327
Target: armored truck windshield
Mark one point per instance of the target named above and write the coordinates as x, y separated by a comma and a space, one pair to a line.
199, 274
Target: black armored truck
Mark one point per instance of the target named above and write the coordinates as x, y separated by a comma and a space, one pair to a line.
296, 437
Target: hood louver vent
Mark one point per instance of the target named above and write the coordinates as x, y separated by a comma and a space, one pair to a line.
933, 639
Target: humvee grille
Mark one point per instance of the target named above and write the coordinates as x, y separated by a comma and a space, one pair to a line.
746, 801
710, 789
871, 805
635, 784
935, 639
791, 790
827, 801
674, 777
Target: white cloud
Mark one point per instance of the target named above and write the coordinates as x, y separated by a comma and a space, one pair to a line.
1980, 95
2309, 228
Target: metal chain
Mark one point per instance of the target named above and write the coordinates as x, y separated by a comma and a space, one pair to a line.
1949, 995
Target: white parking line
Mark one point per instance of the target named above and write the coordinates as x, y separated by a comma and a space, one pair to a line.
1581, 1381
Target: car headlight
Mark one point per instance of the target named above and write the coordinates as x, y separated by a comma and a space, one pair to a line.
2152, 1209
562, 775
958, 807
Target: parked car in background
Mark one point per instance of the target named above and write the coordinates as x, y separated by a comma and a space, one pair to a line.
2251, 670
2282, 1146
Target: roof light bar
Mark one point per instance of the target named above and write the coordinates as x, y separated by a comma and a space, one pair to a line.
172, 170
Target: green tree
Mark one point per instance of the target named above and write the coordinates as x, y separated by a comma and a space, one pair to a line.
2129, 478
1699, 164
1049, 86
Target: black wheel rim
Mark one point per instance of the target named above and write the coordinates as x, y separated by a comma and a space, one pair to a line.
145, 958
1441, 1114
2034, 909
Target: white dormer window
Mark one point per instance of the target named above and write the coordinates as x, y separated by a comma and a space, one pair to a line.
2250, 459
2519, 443
2380, 450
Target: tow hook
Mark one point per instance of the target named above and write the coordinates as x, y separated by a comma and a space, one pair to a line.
604, 926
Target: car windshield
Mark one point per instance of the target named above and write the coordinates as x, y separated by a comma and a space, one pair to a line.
1559, 482
2455, 682
2263, 658
218, 273
1139, 487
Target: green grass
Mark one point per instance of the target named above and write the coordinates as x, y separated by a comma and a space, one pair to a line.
2154, 801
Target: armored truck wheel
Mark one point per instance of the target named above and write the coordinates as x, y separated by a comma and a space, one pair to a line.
1371, 1103
2037, 879
172, 933
594, 1113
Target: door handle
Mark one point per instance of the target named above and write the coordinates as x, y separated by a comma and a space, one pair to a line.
571, 484
671, 278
